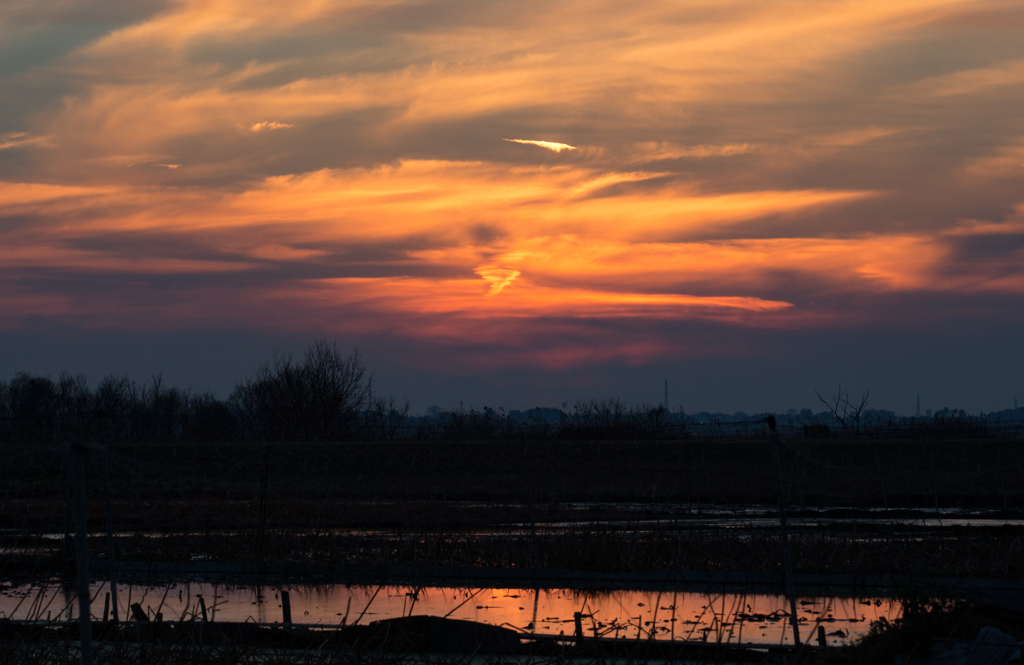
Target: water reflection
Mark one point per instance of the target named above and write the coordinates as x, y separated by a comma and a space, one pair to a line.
670, 615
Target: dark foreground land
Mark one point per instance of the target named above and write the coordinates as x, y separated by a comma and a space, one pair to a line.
917, 508
929, 631
941, 508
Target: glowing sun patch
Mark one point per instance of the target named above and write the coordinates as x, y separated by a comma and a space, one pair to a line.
497, 277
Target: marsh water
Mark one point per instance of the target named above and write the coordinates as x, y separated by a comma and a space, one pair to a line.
669, 615
641, 517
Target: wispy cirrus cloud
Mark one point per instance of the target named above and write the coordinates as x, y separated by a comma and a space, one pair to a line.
972, 81
23, 139
651, 151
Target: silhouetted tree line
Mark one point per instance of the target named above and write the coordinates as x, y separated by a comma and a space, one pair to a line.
325, 396
328, 396
593, 419
36, 409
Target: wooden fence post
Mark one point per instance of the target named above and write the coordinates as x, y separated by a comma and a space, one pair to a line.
81, 553
110, 532
787, 558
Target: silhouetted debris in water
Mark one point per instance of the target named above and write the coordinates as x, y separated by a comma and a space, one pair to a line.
436, 634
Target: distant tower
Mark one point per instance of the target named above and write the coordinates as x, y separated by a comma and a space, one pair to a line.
918, 405
1014, 403
666, 395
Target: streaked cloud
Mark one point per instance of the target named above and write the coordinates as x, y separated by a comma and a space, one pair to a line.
23, 139
14, 195
267, 126
555, 147
856, 137
656, 150
973, 81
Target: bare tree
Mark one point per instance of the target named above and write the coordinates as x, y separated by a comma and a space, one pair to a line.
337, 387
387, 417
847, 412
115, 399
321, 398
33, 403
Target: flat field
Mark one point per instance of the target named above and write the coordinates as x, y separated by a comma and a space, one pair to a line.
917, 507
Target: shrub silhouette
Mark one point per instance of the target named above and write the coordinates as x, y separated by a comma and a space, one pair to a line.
321, 398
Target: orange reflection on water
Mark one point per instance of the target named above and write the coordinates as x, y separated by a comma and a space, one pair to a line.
662, 615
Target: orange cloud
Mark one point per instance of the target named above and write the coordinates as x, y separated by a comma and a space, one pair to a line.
434, 196
148, 85
973, 81
656, 150
22, 139
16, 194
451, 309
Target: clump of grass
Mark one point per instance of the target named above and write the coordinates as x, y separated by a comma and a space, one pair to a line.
924, 621
911, 633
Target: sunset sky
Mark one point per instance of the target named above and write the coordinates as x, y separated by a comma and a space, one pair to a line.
521, 203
